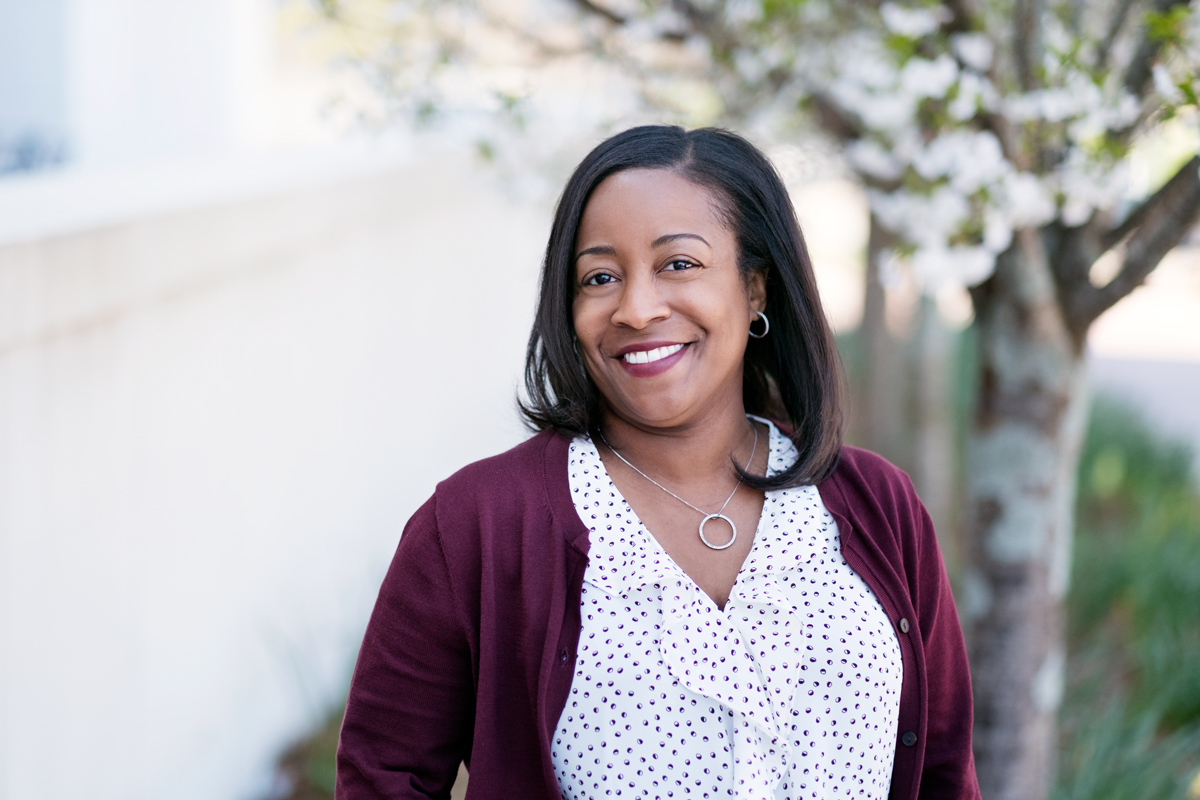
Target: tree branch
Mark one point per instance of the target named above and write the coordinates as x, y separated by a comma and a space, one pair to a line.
706, 24
833, 120
522, 33
964, 16
1074, 251
1153, 230
1120, 14
1138, 75
1027, 41
1151, 206
597, 10
1076, 19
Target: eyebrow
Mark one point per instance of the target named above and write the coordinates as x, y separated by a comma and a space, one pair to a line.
609, 250
671, 237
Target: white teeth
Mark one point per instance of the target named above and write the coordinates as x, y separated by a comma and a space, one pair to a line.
647, 356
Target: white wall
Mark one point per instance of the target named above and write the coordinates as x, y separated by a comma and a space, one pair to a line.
158, 78
126, 81
213, 425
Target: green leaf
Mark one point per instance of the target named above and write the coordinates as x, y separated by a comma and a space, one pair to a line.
1189, 93
1168, 27
902, 46
772, 9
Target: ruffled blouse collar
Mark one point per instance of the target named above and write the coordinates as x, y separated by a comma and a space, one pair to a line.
624, 556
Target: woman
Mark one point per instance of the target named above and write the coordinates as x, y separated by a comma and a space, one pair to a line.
664, 593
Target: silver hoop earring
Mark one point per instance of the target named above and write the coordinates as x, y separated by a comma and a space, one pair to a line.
766, 326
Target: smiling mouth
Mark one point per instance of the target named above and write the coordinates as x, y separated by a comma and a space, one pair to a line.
650, 356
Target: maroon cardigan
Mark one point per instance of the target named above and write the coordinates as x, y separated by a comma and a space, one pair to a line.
470, 651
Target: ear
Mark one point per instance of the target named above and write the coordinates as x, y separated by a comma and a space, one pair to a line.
756, 291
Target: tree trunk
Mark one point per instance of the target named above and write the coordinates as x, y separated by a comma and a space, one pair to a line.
883, 392
933, 427
1023, 450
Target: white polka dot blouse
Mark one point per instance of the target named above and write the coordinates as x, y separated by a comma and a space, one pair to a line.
792, 691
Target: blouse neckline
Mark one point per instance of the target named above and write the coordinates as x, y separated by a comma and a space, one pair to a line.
629, 557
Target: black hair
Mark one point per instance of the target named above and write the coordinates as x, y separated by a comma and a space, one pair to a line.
793, 375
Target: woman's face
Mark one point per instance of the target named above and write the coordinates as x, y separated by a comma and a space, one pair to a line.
662, 314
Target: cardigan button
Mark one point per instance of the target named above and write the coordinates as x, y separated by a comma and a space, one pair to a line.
909, 738
904, 626
562, 657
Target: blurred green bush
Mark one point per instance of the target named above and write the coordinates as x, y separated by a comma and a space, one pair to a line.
1130, 723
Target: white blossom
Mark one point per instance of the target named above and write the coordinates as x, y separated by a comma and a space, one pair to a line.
864, 63
889, 112
750, 64
871, 159
907, 143
973, 49
1112, 113
1025, 201
924, 220
997, 231
974, 92
1087, 185
973, 195
1164, 84
940, 266
740, 12
699, 48
639, 31
1051, 105
969, 193
970, 160
912, 22
1125, 109
866, 86
1077, 95
1056, 36
923, 78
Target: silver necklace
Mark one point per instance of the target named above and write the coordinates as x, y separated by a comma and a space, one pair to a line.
707, 516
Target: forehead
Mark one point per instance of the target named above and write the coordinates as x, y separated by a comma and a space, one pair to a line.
646, 204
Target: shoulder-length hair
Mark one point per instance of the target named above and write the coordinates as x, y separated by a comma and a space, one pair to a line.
793, 375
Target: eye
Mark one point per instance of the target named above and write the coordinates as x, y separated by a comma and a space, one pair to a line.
599, 279
679, 265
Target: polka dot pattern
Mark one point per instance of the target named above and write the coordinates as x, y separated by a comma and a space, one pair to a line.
791, 691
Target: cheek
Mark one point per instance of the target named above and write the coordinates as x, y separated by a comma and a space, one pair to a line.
588, 329
580, 321
726, 313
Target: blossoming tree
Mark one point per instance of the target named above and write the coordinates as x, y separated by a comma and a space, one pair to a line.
993, 137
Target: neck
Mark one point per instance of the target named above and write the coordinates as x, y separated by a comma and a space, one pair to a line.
687, 453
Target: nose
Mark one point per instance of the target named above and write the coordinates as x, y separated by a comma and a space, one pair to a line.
640, 303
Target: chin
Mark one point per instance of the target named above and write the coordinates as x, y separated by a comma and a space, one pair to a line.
657, 411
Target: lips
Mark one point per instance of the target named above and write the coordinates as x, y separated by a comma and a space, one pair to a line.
650, 356
648, 359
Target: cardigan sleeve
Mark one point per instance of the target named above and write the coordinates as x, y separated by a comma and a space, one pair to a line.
411, 702
948, 771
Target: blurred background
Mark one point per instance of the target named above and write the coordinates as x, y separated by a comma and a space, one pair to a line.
248, 296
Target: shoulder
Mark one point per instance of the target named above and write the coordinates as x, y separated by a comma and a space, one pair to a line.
520, 494
870, 471
865, 482
521, 471
499, 515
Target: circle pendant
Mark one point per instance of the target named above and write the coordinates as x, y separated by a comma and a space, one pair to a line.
732, 539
